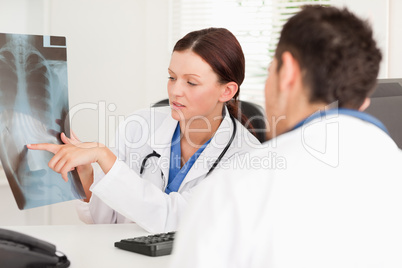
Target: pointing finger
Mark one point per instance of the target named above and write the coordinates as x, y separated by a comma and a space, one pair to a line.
53, 148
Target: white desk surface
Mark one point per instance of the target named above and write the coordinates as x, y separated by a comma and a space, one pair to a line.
93, 245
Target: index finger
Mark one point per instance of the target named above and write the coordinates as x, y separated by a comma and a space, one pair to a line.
50, 147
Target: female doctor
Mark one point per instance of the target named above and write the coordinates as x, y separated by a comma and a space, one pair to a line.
163, 153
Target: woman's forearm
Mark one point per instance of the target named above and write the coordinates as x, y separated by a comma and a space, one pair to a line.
105, 158
86, 174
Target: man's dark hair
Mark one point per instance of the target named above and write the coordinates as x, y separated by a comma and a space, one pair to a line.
337, 54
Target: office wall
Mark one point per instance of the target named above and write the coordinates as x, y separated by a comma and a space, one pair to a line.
395, 39
117, 59
385, 17
118, 55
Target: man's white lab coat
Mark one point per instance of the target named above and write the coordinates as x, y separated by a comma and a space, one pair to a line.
327, 194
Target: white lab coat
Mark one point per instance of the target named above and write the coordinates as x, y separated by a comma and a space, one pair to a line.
123, 195
328, 194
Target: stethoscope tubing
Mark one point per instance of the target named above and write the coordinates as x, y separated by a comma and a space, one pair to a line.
155, 154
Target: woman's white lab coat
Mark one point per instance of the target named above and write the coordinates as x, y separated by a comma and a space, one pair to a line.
123, 195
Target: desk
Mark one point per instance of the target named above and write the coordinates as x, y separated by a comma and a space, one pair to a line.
93, 245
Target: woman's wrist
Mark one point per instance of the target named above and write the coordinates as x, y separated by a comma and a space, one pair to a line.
105, 158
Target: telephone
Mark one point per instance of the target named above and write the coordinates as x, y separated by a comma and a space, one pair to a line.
21, 250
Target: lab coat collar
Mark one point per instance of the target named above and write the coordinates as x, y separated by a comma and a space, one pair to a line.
161, 137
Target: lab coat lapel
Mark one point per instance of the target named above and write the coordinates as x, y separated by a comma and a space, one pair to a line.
212, 151
160, 141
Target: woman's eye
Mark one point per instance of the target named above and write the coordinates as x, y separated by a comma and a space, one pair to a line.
171, 78
191, 84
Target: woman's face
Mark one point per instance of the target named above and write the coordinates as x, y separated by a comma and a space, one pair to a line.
193, 88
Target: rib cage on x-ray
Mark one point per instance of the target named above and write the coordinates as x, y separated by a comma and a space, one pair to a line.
33, 107
27, 76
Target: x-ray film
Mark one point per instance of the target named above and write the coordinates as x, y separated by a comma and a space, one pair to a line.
34, 109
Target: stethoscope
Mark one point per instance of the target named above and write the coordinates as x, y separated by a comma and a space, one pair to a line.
155, 154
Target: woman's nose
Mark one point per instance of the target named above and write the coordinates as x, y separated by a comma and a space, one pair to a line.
177, 88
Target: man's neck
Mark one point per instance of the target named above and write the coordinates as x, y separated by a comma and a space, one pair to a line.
304, 112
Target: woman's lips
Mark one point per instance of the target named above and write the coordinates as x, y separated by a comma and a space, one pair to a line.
177, 105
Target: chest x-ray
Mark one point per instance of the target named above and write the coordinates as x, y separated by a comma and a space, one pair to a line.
34, 109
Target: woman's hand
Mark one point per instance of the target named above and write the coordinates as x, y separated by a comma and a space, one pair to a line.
74, 154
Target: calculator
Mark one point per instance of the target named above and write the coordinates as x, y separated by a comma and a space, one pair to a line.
151, 245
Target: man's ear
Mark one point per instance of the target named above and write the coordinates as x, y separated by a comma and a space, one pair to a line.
289, 72
365, 104
229, 90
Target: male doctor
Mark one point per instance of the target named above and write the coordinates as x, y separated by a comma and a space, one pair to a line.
336, 198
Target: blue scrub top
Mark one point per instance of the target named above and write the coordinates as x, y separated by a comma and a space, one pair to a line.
177, 174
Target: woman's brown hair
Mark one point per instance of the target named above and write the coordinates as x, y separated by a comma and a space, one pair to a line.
222, 51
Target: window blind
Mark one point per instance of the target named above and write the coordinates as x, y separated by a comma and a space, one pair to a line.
255, 23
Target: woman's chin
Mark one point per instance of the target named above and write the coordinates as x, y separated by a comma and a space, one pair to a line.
177, 115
